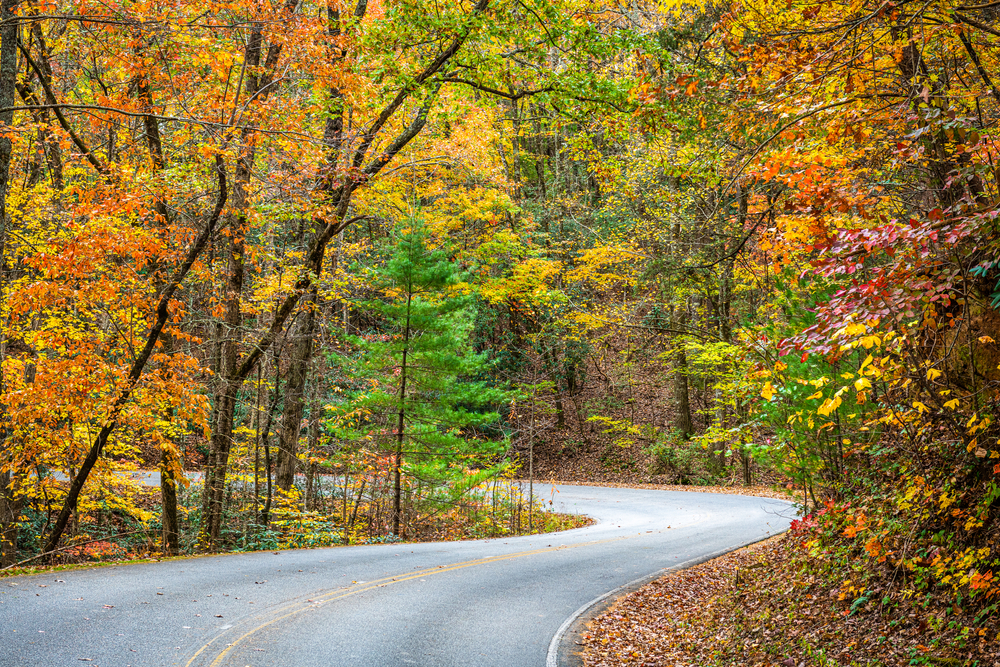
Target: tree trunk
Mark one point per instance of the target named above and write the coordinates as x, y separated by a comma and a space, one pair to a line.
682, 395
398, 460
314, 486
264, 517
226, 398
549, 359
298, 371
10, 512
10, 504
400, 424
49, 150
218, 461
169, 459
169, 462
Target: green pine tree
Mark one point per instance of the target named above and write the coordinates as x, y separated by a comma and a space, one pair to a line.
420, 403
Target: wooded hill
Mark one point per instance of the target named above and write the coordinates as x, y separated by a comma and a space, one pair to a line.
393, 246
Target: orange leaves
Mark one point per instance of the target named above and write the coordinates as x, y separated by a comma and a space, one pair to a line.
875, 549
856, 524
82, 305
983, 582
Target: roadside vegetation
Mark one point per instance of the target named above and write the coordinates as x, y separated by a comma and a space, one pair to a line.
502, 507
783, 603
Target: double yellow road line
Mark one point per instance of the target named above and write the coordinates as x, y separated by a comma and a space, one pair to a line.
297, 607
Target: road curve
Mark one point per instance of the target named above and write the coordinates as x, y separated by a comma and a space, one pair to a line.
491, 603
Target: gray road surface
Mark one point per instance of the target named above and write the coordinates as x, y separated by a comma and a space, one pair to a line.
484, 603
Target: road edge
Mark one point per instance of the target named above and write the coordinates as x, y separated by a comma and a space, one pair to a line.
560, 653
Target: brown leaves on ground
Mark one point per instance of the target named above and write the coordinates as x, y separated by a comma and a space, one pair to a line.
769, 605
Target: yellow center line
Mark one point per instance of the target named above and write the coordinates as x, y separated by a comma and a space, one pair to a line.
298, 607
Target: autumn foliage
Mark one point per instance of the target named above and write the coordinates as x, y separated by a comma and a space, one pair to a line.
719, 243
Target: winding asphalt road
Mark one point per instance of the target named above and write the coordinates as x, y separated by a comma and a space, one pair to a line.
503, 602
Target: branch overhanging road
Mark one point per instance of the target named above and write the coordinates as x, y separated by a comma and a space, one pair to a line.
495, 602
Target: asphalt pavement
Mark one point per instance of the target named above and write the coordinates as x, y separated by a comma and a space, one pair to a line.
498, 602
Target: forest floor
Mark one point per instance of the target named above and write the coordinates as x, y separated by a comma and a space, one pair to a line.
774, 603
565, 458
599, 461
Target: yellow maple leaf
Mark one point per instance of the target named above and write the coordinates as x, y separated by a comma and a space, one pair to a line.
767, 391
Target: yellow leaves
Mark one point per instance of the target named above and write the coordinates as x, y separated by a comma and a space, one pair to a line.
868, 342
670, 6
946, 499
818, 394
852, 329
986, 339
767, 391
933, 374
920, 407
862, 383
829, 405
952, 404
527, 284
981, 426
605, 264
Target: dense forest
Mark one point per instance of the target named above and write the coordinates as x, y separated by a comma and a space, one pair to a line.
354, 262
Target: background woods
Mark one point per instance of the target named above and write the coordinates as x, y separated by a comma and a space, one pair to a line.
363, 264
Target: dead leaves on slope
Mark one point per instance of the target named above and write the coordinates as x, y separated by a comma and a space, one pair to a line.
767, 606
